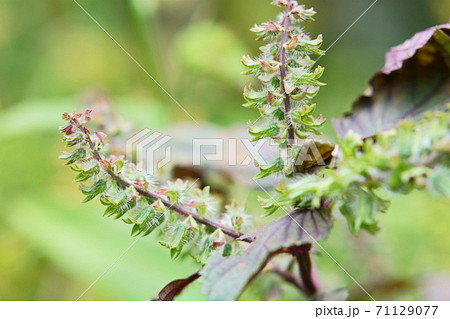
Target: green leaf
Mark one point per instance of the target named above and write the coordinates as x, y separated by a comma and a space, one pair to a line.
85, 175
311, 46
177, 236
142, 220
206, 250
254, 98
359, 207
310, 49
118, 209
415, 78
301, 78
94, 190
262, 32
263, 131
76, 154
72, 141
224, 278
136, 229
118, 165
227, 249
180, 237
252, 65
146, 215
153, 223
199, 206
299, 96
175, 252
271, 168
273, 203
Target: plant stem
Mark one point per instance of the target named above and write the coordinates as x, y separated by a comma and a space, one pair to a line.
287, 100
152, 196
305, 267
288, 277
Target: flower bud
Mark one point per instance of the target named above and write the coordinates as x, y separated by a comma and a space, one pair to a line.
101, 137
87, 116
67, 129
292, 44
199, 206
280, 3
105, 165
219, 242
142, 184
270, 98
272, 26
266, 67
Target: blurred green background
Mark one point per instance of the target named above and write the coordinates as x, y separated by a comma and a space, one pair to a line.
52, 56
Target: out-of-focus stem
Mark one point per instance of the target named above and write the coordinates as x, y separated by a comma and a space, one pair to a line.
289, 278
142, 31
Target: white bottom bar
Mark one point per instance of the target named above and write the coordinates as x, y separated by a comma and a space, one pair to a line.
228, 310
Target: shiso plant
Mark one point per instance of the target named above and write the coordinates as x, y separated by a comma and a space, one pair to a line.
389, 143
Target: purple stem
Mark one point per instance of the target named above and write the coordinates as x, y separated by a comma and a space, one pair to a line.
287, 101
305, 267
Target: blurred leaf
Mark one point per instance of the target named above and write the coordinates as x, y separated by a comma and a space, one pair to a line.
83, 62
82, 245
339, 294
30, 116
44, 115
416, 78
211, 49
224, 278
358, 206
144, 7
174, 288
440, 180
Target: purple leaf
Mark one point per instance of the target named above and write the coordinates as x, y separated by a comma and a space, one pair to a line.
174, 288
415, 79
224, 278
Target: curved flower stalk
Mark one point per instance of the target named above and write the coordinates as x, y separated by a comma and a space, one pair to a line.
289, 82
132, 195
